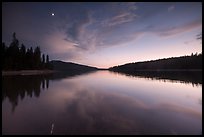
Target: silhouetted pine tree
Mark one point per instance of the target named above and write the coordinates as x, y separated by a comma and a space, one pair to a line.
47, 59
43, 61
37, 58
3, 49
15, 58
22, 57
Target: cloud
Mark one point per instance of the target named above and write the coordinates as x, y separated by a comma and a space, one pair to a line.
67, 55
87, 32
120, 39
120, 19
171, 8
174, 30
73, 31
59, 48
105, 31
76, 31
123, 13
186, 42
90, 33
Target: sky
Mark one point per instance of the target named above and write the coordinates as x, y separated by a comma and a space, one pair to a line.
105, 34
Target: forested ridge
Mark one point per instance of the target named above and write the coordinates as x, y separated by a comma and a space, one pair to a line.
174, 63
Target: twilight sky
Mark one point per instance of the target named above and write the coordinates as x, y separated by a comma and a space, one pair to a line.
105, 34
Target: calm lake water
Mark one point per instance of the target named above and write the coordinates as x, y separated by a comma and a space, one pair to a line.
100, 102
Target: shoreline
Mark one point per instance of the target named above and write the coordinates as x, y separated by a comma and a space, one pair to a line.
158, 70
27, 72
44, 72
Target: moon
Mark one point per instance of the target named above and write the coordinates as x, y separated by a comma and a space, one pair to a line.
52, 14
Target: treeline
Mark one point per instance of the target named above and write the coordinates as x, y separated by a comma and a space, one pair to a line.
16, 57
174, 63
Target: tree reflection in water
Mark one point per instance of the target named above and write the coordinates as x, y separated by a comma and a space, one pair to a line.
17, 87
193, 77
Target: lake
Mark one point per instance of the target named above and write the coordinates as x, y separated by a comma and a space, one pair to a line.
100, 102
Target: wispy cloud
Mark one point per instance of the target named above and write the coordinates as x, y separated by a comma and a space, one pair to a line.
75, 28
79, 32
120, 19
174, 30
171, 8
125, 13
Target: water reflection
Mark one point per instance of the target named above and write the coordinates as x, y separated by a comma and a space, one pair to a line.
15, 87
68, 74
193, 77
19, 86
100, 103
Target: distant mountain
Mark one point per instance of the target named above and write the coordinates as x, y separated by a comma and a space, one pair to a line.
70, 67
193, 62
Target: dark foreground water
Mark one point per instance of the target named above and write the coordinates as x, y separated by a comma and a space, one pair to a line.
100, 102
